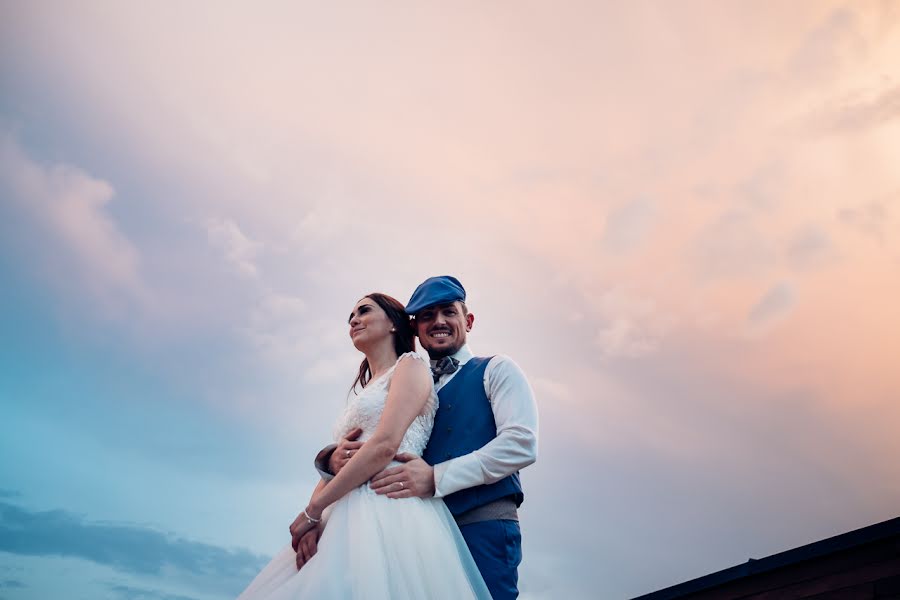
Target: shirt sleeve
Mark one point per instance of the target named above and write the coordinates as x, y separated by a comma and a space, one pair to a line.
515, 447
322, 459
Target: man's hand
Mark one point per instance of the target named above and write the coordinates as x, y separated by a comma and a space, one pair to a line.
415, 478
347, 447
307, 545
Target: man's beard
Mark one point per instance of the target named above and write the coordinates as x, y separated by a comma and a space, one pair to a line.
439, 353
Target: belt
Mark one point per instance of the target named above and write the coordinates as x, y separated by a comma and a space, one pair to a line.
504, 508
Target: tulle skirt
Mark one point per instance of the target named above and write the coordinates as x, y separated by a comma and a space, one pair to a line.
375, 547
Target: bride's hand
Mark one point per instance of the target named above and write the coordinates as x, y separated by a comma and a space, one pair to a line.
305, 521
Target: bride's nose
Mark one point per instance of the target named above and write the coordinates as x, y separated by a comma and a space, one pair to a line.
354, 321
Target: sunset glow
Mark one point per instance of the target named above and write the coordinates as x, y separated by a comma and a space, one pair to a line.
680, 219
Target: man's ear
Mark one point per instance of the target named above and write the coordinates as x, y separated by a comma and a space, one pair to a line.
412, 322
470, 319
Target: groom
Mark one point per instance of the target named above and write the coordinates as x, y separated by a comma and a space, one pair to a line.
485, 430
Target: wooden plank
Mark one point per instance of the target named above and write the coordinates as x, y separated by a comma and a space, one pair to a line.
834, 581
885, 553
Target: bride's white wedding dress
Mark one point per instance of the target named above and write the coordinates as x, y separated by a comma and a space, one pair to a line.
374, 546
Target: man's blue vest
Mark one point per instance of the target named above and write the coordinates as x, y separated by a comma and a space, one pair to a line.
464, 422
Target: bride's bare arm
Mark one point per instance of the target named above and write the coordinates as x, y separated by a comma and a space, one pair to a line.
296, 533
410, 388
306, 542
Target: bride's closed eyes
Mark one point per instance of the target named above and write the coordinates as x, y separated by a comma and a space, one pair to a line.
360, 312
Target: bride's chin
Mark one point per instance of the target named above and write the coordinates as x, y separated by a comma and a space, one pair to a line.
366, 344
363, 343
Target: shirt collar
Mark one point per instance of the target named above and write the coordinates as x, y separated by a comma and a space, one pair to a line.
462, 355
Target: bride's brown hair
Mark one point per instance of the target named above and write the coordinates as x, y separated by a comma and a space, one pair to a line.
404, 336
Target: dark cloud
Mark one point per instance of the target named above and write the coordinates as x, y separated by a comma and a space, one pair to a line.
810, 248
628, 225
858, 114
734, 245
774, 303
764, 188
869, 219
127, 547
127, 592
827, 46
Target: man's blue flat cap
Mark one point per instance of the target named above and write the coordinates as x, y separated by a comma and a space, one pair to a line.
435, 290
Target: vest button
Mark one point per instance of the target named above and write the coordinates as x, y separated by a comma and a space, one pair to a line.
449, 455
449, 407
449, 429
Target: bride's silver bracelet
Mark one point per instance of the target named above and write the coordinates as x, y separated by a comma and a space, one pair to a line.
309, 518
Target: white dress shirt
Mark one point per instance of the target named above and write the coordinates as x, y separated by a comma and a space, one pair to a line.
515, 414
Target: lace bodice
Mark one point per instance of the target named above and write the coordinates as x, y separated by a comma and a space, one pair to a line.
364, 411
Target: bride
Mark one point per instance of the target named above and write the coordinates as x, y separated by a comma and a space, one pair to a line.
375, 546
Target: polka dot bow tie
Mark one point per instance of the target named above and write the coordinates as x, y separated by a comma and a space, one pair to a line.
445, 366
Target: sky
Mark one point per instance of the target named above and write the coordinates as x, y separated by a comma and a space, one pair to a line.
680, 219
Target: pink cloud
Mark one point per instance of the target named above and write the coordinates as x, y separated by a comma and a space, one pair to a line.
77, 241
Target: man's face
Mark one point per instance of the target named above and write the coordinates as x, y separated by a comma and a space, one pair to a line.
442, 329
